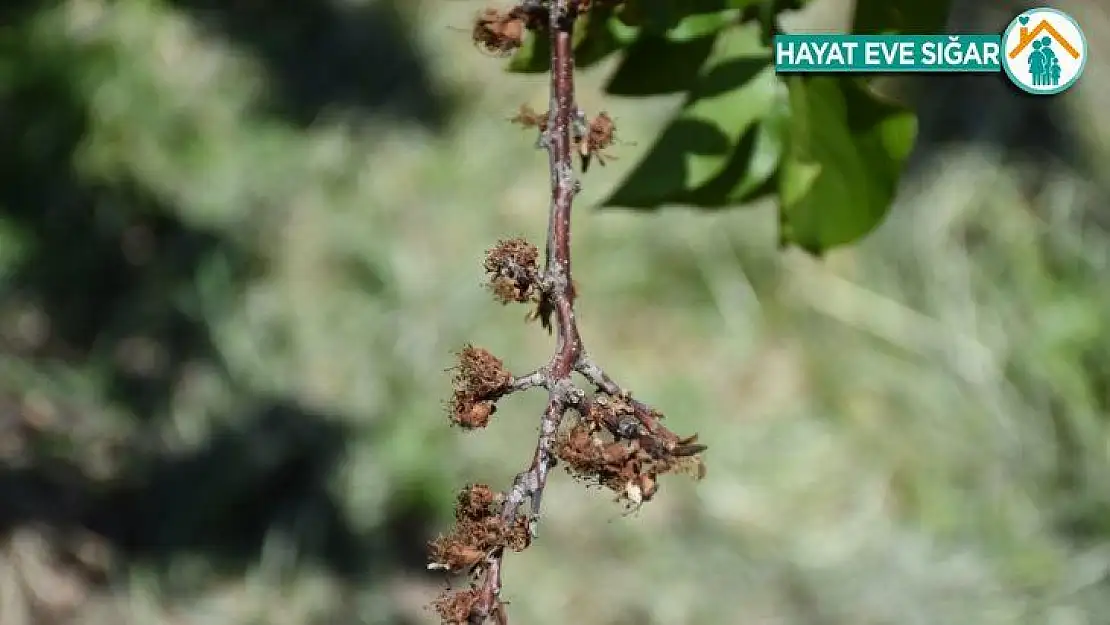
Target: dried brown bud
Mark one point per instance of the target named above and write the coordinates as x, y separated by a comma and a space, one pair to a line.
498, 32
480, 374
602, 131
453, 555
529, 118
501, 32
474, 502
469, 414
600, 135
513, 269
455, 608
619, 444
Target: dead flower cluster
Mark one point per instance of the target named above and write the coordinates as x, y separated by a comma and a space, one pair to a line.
609, 446
480, 378
513, 270
479, 532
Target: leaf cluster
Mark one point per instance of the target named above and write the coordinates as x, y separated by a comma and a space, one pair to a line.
828, 148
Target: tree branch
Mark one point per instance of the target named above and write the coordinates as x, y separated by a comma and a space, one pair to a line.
559, 296
638, 449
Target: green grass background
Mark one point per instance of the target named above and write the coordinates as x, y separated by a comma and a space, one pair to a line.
911, 431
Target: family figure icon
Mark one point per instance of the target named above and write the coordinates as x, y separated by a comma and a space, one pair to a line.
1044, 67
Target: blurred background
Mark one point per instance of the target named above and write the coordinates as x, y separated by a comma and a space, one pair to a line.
239, 241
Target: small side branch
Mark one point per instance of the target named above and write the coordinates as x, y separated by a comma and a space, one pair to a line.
648, 418
531, 380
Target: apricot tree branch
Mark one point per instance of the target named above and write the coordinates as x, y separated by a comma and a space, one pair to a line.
557, 295
638, 447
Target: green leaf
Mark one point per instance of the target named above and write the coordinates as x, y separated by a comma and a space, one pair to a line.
845, 156
533, 57
733, 93
701, 25
900, 16
654, 65
650, 23
751, 168
827, 146
660, 16
598, 34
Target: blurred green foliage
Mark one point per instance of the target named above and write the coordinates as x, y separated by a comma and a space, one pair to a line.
239, 241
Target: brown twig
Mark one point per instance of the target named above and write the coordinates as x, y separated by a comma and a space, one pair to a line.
530, 484
637, 448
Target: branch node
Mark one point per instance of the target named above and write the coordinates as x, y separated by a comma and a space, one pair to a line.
567, 394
